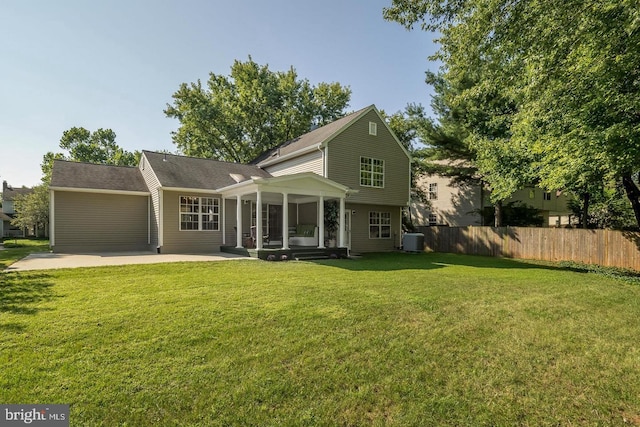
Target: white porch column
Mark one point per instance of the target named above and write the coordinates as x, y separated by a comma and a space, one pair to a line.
341, 222
321, 222
258, 219
224, 222
285, 221
238, 221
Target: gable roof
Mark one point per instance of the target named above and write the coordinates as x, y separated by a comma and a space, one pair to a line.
193, 172
311, 139
9, 193
67, 174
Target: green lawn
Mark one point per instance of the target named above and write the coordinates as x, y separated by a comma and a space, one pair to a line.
15, 249
395, 339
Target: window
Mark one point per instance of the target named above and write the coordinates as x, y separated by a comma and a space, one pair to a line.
433, 191
547, 195
371, 172
532, 194
373, 128
199, 213
379, 225
433, 219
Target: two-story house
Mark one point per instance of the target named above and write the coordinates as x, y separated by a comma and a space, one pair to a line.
458, 204
8, 211
178, 204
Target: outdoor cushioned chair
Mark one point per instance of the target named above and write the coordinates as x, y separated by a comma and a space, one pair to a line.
305, 235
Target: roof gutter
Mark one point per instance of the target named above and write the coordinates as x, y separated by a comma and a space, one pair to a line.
101, 191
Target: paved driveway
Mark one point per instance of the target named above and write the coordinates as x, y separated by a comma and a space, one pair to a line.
48, 260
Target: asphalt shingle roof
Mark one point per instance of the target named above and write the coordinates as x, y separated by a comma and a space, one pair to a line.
309, 139
68, 174
198, 173
9, 193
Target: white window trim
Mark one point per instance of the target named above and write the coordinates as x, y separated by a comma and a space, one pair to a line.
435, 219
200, 214
379, 213
433, 195
371, 159
373, 128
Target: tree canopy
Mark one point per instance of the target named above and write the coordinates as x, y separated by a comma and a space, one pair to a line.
32, 210
82, 145
237, 117
559, 81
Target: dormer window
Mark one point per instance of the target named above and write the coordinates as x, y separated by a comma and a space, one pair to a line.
373, 128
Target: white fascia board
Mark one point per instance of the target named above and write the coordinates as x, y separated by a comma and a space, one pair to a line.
101, 191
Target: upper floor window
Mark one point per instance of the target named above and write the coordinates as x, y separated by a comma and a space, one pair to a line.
199, 213
547, 195
371, 172
433, 191
373, 128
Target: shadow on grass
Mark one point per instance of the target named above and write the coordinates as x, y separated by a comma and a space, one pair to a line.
429, 261
21, 294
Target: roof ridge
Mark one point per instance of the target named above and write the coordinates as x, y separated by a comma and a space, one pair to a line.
94, 164
184, 156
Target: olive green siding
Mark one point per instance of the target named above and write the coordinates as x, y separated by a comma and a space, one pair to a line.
187, 241
360, 241
153, 185
230, 222
308, 213
343, 162
311, 162
92, 222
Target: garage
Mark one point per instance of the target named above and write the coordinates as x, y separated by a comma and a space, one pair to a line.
111, 213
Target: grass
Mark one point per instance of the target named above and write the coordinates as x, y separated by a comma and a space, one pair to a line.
16, 249
393, 339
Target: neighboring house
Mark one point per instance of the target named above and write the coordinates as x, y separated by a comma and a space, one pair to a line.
8, 212
178, 204
460, 204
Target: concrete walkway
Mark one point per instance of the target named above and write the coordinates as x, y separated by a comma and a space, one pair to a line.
48, 260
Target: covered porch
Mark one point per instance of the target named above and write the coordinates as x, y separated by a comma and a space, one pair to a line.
282, 214
293, 253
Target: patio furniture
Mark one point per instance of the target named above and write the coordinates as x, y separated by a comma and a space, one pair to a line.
305, 235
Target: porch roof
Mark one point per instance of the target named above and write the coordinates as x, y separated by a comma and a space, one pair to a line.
304, 184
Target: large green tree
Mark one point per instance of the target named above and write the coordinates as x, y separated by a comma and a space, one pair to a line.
570, 68
32, 210
82, 145
237, 117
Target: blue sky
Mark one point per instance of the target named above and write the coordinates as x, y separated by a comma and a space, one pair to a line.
115, 64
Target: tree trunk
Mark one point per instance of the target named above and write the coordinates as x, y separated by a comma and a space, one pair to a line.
497, 212
633, 193
586, 198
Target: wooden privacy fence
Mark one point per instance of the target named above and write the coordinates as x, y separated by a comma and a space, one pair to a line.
609, 248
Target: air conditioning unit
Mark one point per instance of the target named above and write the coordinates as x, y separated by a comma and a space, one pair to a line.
413, 242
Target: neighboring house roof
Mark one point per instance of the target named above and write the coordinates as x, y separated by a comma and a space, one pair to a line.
4, 217
9, 193
78, 175
311, 139
192, 172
